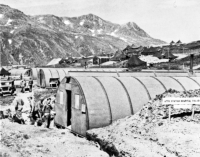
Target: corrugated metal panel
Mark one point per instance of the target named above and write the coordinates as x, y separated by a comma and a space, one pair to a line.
119, 102
54, 73
62, 73
197, 74
85, 73
169, 82
61, 107
97, 103
136, 91
153, 86
34, 73
138, 74
197, 79
188, 83
17, 72
45, 77
165, 74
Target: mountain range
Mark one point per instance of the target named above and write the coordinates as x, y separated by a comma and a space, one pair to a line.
38, 39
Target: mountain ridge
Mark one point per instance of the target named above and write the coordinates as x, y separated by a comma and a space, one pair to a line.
40, 38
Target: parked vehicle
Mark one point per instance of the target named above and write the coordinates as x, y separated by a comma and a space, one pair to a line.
6, 87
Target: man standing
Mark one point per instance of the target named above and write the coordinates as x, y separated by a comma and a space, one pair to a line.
47, 112
30, 85
18, 103
23, 85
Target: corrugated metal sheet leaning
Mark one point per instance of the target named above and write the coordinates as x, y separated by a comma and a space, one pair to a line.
96, 101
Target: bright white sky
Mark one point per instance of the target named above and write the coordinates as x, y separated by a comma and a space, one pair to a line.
163, 19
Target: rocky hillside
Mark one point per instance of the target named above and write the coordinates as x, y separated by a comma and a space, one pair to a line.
38, 39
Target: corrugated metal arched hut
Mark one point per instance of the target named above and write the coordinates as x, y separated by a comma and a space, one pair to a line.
18, 72
34, 73
48, 75
91, 102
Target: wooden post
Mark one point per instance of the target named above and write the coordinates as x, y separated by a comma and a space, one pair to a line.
193, 111
169, 112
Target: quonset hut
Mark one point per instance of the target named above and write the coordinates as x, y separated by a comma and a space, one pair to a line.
92, 102
48, 77
18, 72
34, 73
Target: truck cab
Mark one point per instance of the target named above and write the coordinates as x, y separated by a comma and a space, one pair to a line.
6, 87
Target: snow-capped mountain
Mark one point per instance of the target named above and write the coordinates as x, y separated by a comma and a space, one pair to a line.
43, 37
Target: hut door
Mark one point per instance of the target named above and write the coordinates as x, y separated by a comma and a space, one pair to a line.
40, 78
69, 107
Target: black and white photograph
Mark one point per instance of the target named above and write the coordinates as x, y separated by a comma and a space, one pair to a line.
100, 78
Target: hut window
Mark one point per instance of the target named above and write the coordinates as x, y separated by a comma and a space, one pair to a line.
83, 108
61, 98
76, 101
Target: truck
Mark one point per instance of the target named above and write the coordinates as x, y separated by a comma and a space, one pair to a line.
6, 87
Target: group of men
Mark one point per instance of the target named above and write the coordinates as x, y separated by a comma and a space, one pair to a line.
23, 85
40, 113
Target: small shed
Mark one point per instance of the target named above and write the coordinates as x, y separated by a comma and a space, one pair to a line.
92, 102
100, 59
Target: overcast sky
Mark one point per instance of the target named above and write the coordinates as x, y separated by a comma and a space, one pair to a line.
163, 19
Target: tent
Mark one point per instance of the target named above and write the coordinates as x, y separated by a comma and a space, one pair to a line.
168, 55
4, 72
135, 61
80, 105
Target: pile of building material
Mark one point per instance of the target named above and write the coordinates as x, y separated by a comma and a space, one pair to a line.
150, 133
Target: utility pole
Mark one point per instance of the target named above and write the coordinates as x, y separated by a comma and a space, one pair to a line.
168, 59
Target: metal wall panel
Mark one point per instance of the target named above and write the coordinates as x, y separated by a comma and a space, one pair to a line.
86, 73
153, 86
45, 77
138, 74
62, 74
34, 73
170, 83
117, 96
165, 74
97, 102
137, 92
197, 79
61, 107
17, 72
54, 73
188, 83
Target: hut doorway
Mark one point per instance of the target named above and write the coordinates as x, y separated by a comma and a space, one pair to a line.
40, 78
69, 107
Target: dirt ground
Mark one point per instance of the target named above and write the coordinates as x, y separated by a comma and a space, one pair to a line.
32, 141
149, 133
